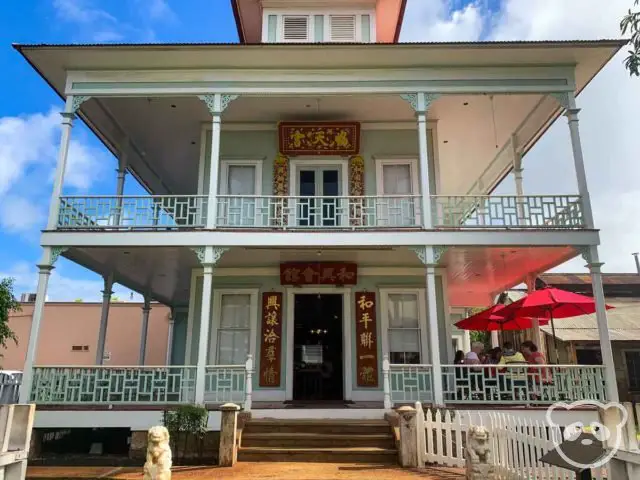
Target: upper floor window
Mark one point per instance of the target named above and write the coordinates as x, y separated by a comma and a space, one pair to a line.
317, 27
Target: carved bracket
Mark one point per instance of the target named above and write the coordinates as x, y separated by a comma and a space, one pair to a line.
562, 98
76, 101
421, 252
201, 253
414, 99
438, 251
210, 101
585, 252
56, 252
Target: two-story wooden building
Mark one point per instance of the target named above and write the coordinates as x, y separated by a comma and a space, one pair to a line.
319, 206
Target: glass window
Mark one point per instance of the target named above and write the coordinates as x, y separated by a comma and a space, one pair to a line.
404, 328
233, 333
633, 369
396, 179
242, 180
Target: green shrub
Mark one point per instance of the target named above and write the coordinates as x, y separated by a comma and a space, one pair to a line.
187, 425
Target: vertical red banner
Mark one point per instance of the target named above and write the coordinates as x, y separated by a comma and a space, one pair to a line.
271, 339
366, 340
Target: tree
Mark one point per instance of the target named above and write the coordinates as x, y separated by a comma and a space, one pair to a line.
630, 24
8, 304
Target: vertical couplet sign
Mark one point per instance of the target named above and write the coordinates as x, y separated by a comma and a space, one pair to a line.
366, 340
271, 338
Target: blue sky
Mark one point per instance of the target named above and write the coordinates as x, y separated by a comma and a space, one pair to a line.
29, 122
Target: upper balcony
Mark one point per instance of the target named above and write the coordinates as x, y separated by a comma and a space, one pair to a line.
384, 212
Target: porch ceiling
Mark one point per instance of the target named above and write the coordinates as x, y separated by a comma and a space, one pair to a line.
477, 274
474, 274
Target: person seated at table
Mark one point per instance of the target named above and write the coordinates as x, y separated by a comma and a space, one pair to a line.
535, 357
515, 377
493, 358
473, 357
458, 359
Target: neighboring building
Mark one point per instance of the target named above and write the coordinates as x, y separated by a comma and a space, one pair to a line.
321, 202
69, 334
578, 336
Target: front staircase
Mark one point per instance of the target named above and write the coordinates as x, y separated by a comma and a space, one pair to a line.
335, 441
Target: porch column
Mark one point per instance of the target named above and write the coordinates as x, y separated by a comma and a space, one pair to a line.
421, 102
104, 318
594, 266
146, 308
44, 271
216, 104
518, 177
123, 161
169, 355
568, 101
536, 333
434, 333
68, 115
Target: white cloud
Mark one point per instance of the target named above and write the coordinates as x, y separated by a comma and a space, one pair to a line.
62, 287
156, 9
608, 121
28, 155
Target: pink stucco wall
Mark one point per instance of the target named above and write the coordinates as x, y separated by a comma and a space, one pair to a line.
68, 324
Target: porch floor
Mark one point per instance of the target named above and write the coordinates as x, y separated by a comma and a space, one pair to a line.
255, 471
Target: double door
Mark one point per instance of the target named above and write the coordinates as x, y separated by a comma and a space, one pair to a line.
318, 201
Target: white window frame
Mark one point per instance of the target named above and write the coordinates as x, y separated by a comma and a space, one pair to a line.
311, 13
217, 316
225, 163
422, 319
398, 160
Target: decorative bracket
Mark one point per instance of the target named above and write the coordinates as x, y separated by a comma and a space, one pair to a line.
214, 109
201, 253
56, 252
76, 101
421, 252
420, 102
585, 252
562, 98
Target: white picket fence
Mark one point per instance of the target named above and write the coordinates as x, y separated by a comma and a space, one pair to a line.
517, 443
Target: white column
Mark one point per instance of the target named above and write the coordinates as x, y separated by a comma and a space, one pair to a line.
603, 326
44, 271
170, 339
422, 106
104, 318
121, 175
205, 320
536, 333
495, 339
146, 309
578, 160
67, 124
434, 334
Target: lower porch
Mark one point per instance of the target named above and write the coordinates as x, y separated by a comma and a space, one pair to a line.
332, 328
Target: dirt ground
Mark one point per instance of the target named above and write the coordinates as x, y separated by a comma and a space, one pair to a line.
255, 471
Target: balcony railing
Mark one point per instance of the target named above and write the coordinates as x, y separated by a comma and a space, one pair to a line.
124, 212
498, 384
322, 212
508, 211
387, 211
138, 385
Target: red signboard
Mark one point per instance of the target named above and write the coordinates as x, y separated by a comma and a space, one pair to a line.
319, 138
271, 339
366, 340
318, 273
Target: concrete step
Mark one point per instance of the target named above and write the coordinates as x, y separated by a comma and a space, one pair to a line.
325, 426
321, 440
318, 455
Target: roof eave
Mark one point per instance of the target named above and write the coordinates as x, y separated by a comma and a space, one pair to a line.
403, 8
238, 19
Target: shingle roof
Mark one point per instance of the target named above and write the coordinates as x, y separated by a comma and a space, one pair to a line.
585, 278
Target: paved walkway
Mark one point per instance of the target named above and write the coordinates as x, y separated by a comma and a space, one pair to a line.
255, 471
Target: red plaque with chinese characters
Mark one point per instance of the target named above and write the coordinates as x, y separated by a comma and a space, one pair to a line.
319, 273
271, 339
319, 138
366, 340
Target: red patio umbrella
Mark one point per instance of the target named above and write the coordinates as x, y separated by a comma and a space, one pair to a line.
549, 303
492, 319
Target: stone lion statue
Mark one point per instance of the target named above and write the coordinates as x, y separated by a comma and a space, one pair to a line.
158, 464
478, 454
